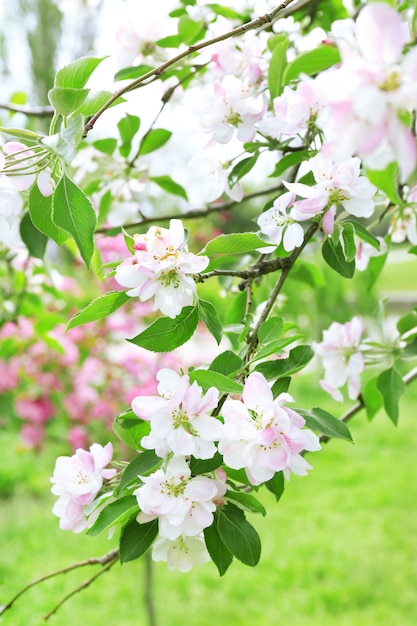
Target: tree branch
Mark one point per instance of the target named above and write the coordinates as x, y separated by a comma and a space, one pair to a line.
45, 111
266, 19
110, 557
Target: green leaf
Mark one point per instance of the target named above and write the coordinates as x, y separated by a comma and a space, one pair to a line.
143, 464
363, 233
226, 363
167, 184
294, 158
348, 238
172, 41
208, 314
276, 485
335, 258
107, 146
372, 398
275, 347
311, 62
128, 127
234, 243
297, 359
28, 136
65, 100
323, 422
95, 100
225, 11
76, 74
73, 212
407, 322
65, 143
101, 307
270, 330
220, 555
132, 72
238, 535
208, 378
392, 387
33, 238
131, 430
155, 138
280, 386
204, 466
136, 538
246, 502
190, 30
114, 513
166, 334
387, 180
277, 66
242, 168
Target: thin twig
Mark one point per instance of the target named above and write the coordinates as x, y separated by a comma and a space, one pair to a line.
194, 214
45, 111
102, 560
266, 19
81, 587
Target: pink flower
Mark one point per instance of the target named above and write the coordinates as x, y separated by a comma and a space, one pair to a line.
161, 268
343, 362
179, 417
336, 184
263, 436
183, 505
77, 480
279, 226
232, 106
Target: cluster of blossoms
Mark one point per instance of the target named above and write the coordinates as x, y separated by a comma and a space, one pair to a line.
341, 352
257, 433
162, 268
76, 481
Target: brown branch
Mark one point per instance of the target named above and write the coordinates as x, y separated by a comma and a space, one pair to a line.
360, 404
45, 111
110, 557
266, 19
81, 587
194, 214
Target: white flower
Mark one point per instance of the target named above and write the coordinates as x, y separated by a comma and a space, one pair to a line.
181, 553
279, 226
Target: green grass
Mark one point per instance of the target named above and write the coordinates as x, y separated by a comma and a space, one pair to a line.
339, 548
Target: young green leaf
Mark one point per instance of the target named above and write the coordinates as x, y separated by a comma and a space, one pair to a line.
101, 307
142, 465
335, 258
136, 538
167, 184
208, 314
66, 100
245, 501
226, 363
208, 378
325, 423
311, 62
65, 143
348, 240
281, 386
132, 72
276, 485
114, 513
387, 180
33, 238
297, 359
270, 330
128, 127
154, 139
391, 386
166, 334
203, 466
190, 30
234, 243
372, 398
76, 74
73, 212
220, 555
131, 431
277, 66
238, 535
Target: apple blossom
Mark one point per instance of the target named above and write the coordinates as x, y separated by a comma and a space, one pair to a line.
181, 553
279, 226
183, 504
262, 435
77, 481
342, 358
23, 166
161, 268
336, 183
179, 417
